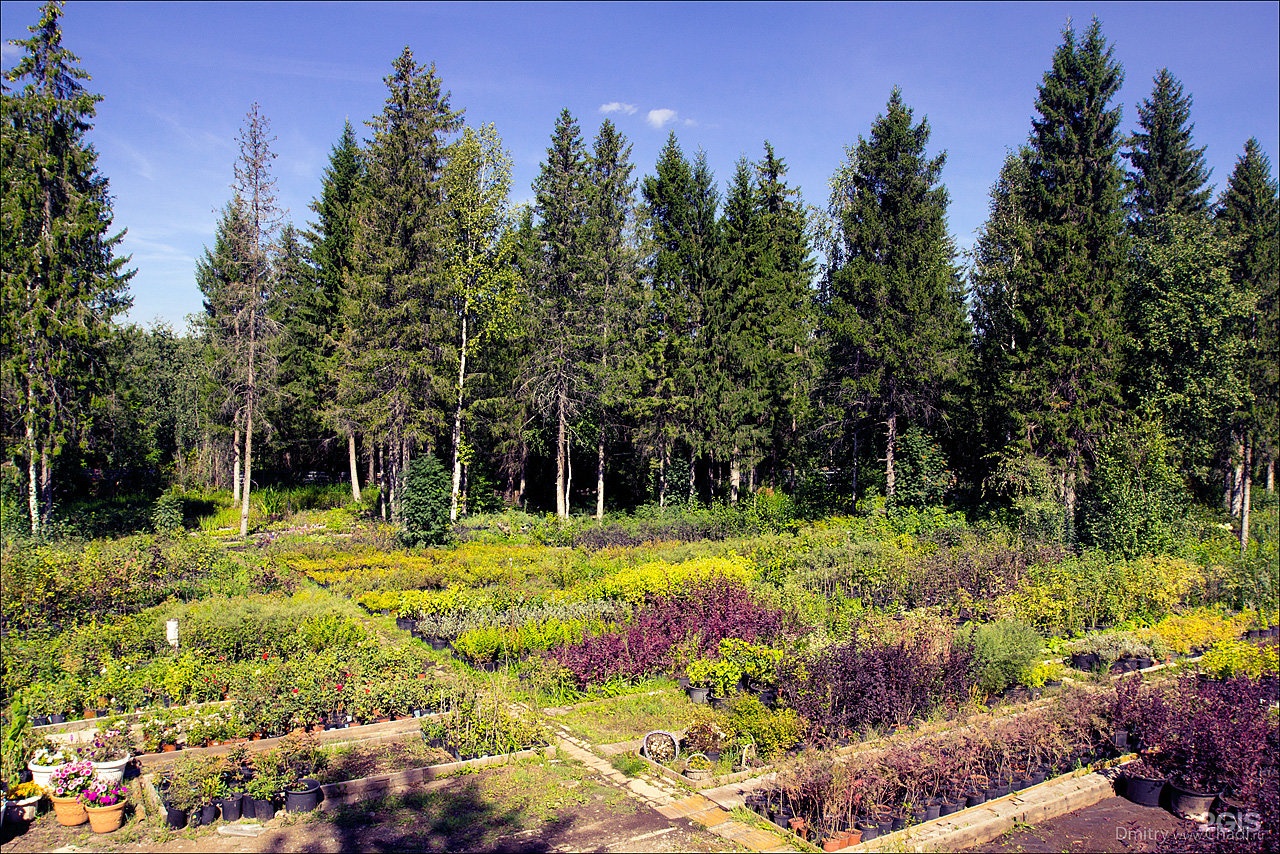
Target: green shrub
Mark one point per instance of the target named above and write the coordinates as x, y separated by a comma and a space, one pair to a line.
424, 506
1002, 652
772, 731
168, 513
1136, 500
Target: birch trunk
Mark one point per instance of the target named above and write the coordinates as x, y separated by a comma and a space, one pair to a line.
457, 426
248, 469
33, 479
1244, 498
235, 470
355, 468
561, 429
600, 476
891, 442
1237, 485
735, 475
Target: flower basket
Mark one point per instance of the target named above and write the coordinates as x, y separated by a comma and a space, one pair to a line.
105, 819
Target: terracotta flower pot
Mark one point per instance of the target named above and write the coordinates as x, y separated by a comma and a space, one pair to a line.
69, 811
106, 819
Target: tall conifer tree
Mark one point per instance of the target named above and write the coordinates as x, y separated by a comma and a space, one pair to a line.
895, 323
1065, 358
62, 283
331, 242
395, 343
1169, 175
562, 355
1249, 213
612, 274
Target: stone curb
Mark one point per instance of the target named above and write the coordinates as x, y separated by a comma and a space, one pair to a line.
977, 825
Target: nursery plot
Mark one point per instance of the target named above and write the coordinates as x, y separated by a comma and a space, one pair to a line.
624, 718
1112, 825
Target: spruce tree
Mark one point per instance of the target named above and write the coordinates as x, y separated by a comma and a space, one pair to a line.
1065, 358
62, 283
1249, 213
613, 281
895, 323
1169, 175
680, 207
395, 316
303, 312
562, 351
331, 243
758, 318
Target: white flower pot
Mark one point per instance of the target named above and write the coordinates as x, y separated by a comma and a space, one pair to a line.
40, 773
111, 772
25, 809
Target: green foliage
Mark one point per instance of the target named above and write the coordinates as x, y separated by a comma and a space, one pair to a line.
1136, 499
1169, 174
1003, 651
772, 731
168, 513
1229, 658
424, 506
629, 764
924, 478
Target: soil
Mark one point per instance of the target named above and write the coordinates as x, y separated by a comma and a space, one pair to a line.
1111, 825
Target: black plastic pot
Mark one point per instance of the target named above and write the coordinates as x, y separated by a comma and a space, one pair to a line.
870, 830
886, 825
975, 798
768, 696
405, 623
699, 695
263, 809
932, 811
1190, 804
305, 796
175, 818
208, 813
1086, 661
230, 808
439, 644
1144, 791
949, 807
40, 720
1120, 739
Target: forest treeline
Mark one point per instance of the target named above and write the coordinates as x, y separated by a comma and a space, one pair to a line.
1106, 354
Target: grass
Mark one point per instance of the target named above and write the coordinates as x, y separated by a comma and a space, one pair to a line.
351, 762
629, 764
625, 718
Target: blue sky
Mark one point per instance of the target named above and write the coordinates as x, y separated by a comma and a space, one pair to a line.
179, 78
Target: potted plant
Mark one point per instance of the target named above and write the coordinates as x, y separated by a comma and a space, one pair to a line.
47, 758
1143, 783
104, 801
267, 784
110, 751
65, 785
698, 767
24, 801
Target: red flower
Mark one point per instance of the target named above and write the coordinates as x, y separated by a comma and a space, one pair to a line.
340, 687
295, 690
265, 656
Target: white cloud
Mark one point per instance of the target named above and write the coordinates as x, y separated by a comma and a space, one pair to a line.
618, 107
9, 53
658, 118
689, 123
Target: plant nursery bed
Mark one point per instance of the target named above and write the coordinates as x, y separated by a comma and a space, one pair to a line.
1111, 826
978, 825
386, 731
